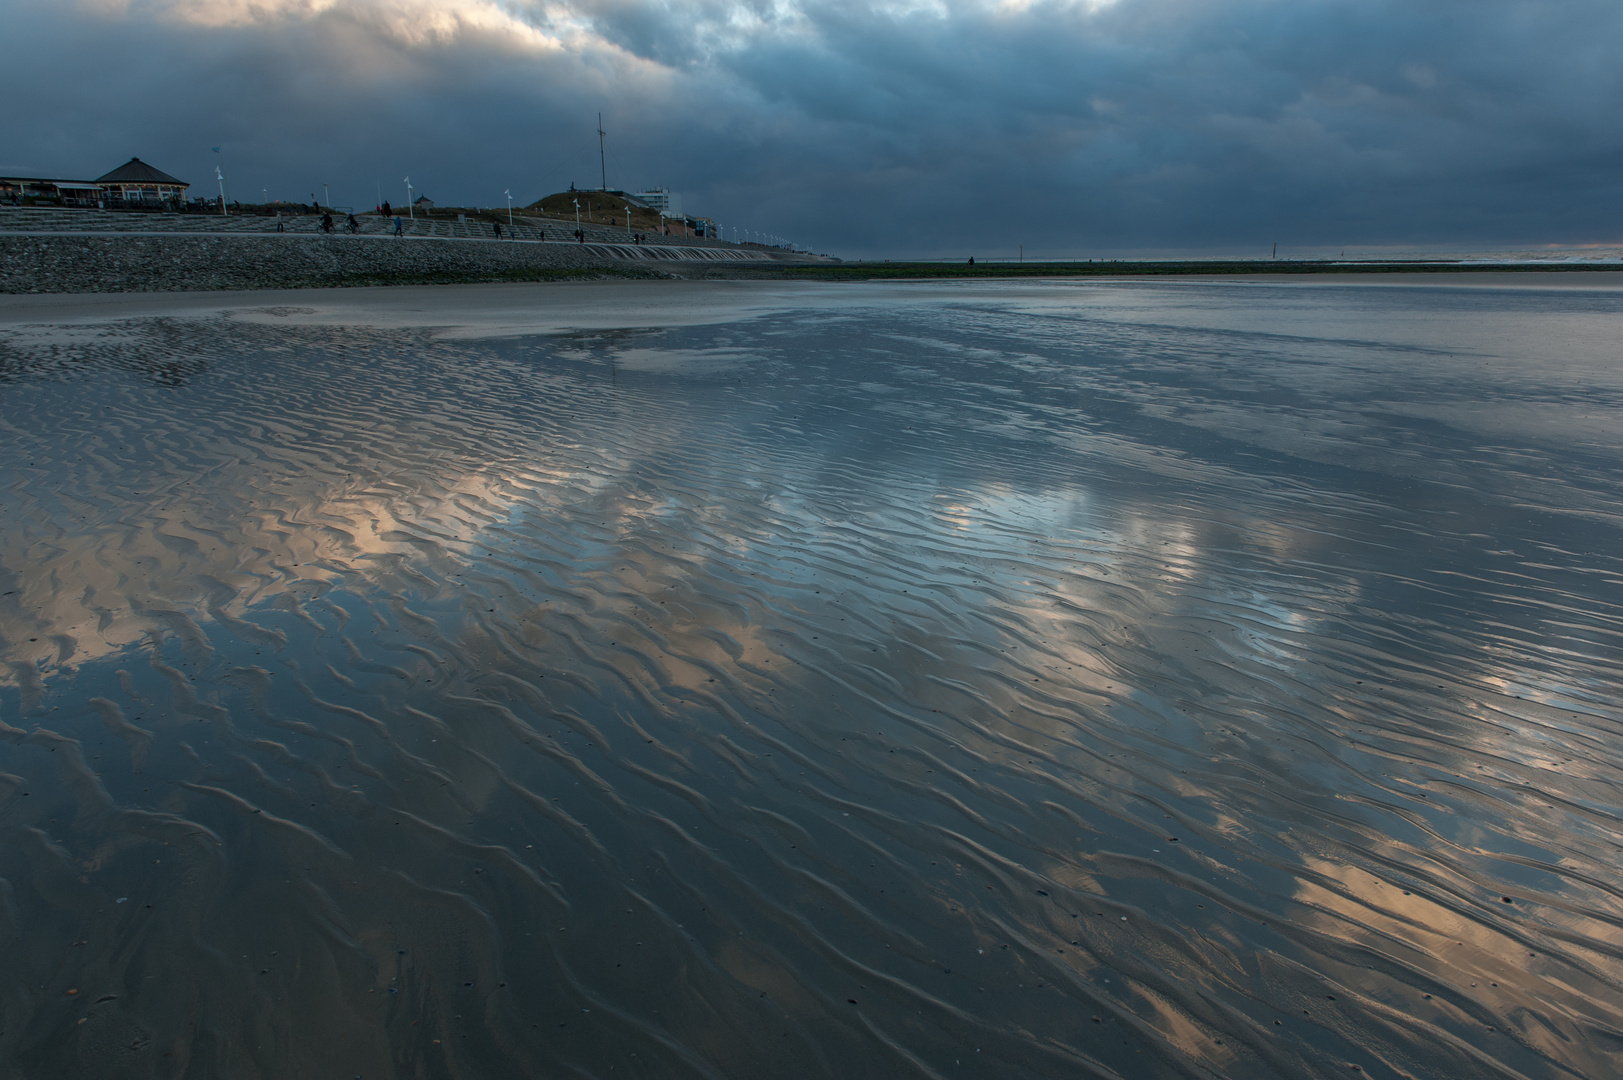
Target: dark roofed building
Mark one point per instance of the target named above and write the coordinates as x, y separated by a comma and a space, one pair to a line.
137, 182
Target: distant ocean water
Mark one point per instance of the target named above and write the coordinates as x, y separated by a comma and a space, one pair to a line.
1106, 679
1601, 255
1548, 253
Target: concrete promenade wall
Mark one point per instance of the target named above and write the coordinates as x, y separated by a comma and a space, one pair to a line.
34, 219
71, 263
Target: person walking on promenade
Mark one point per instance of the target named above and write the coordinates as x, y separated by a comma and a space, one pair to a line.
385, 211
397, 226
498, 227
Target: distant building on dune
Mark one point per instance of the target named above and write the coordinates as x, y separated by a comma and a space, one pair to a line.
664, 200
424, 203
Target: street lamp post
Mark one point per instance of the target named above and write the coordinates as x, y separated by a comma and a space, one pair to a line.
326, 195
410, 209
509, 194
628, 221
219, 171
577, 219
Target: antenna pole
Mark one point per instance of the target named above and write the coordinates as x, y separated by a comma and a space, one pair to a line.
602, 159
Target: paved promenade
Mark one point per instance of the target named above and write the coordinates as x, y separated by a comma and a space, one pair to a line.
29, 219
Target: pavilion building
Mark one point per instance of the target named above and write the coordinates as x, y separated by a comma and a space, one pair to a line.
132, 184
135, 183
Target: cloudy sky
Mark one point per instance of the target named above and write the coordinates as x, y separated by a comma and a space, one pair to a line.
1099, 127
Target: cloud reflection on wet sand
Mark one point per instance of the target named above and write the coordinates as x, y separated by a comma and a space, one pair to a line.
966, 688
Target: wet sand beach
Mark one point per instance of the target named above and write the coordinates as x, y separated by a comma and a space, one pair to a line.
770, 679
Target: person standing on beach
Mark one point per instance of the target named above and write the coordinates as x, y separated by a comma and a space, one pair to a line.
397, 227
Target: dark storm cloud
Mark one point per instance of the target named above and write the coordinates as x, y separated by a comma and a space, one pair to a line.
903, 128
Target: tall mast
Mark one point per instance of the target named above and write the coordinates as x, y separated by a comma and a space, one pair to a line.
601, 159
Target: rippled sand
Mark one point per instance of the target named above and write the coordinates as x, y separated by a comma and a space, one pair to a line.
1065, 680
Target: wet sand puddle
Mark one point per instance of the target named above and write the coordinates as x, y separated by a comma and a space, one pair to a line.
1110, 680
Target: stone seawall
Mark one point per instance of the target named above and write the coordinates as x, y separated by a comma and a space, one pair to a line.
156, 263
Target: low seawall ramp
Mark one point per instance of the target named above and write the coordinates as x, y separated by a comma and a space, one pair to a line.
34, 261
673, 253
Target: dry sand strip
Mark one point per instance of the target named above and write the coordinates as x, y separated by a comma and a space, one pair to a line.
79, 263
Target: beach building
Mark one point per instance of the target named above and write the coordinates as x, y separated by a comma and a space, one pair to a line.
39, 190
135, 183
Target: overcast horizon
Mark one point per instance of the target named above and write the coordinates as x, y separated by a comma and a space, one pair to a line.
909, 129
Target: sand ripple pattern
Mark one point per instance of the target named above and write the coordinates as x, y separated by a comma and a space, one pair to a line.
1103, 681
